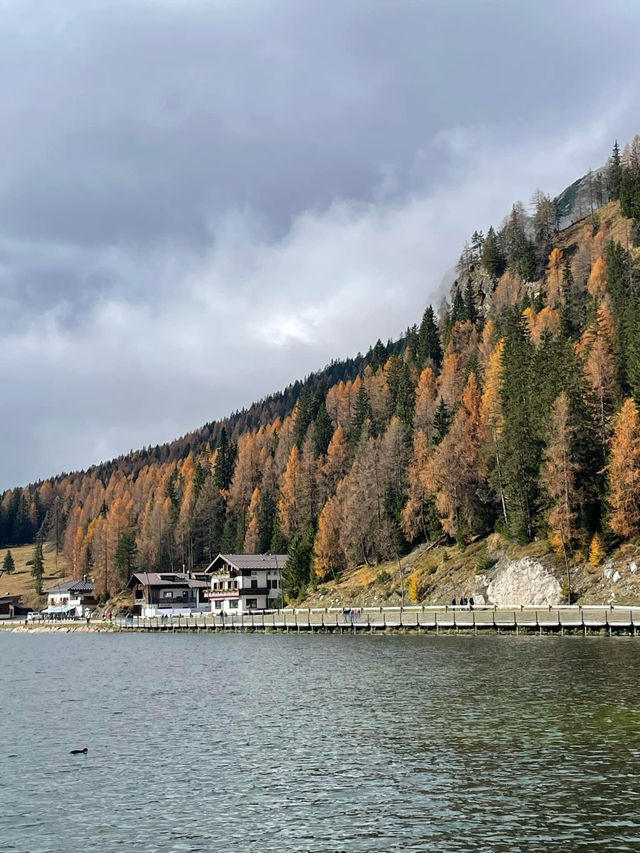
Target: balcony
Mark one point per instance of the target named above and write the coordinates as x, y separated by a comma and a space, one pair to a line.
236, 593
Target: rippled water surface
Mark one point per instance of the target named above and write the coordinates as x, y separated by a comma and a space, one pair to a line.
326, 743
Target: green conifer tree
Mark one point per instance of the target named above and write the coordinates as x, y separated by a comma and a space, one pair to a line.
225, 462
613, 177
361, 414
441, 422
520, 446
429, 340
470, 303
125, 557
8, 564
37, 567
297, 572
322, 430
493, 259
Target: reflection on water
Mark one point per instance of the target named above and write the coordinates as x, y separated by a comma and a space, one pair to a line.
320, 743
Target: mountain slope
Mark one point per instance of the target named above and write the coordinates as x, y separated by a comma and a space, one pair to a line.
503, 413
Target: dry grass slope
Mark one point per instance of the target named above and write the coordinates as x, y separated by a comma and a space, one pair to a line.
20, 582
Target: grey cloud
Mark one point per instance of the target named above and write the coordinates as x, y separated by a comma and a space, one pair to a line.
181, 178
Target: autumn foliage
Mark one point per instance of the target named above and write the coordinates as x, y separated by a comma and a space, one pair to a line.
514, 408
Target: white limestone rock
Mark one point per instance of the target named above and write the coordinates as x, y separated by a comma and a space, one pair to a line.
524, 581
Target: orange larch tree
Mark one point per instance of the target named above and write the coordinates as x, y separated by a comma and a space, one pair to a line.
596, 348
426, 402
252, 536
624, 472
328, 555
597, 284
558, 477
555, 280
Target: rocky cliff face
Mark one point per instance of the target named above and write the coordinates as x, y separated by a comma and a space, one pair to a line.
524, 581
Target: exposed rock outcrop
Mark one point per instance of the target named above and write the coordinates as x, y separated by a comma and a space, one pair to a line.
524, 581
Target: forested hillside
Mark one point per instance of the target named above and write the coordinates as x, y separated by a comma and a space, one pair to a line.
514, 408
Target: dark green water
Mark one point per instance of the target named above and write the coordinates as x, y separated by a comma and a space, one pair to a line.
318, 743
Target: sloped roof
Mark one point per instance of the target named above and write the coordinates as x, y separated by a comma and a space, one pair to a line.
166, 579
71, 586
252, 561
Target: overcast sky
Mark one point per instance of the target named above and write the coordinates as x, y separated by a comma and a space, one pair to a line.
203, 200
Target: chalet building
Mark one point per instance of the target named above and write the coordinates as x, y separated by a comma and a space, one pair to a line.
12, 608
240, 583
70, 599
168, 594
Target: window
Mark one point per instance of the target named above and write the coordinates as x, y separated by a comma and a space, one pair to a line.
252, 603
254, 584
167, 593
217, 605
254, 574
233, 604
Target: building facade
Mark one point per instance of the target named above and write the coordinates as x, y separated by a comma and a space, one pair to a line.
168, 594
241, 583
71, 599
11, 607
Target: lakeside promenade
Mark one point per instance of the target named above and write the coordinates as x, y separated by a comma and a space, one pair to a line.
560, 619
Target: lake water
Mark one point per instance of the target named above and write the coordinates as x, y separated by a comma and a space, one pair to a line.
291, 743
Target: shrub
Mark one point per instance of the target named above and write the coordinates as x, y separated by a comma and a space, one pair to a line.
415, 588
484, 563
596, 551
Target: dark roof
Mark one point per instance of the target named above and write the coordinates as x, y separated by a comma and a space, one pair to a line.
166, 579
252, 561
72, 586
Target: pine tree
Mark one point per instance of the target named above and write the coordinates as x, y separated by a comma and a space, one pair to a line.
225, 461
8, 564
322, 430
37, 567
125, 557
458, 308
303, 416
613, 177
441, 422
362, 413
521, 445
297, 572
406, 397
378, 356
429, 340
470, 303
493, 259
